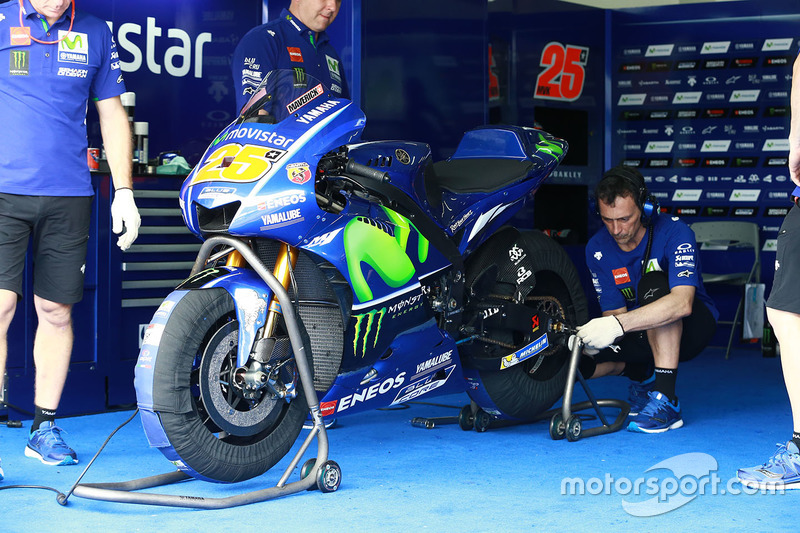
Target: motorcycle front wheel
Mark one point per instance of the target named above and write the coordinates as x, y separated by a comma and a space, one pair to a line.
219, 432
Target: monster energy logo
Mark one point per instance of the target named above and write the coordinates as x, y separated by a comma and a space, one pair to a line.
299, 77
364, 324
627, 292
18, 66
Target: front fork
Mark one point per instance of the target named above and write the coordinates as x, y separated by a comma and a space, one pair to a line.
257, 374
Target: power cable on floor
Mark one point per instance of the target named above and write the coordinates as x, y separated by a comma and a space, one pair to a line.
62, 498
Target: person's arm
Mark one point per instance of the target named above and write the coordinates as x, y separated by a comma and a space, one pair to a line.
794, 130
115, 129
674, 306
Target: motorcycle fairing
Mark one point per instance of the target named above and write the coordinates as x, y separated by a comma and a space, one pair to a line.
493, 171
234, 178
403, 376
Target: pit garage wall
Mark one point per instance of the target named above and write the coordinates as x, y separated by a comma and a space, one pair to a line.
699, 102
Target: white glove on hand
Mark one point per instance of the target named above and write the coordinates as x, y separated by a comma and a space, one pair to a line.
601, 332
586, 350
123, 210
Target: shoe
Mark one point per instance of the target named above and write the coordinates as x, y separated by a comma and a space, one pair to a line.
47, 445
658, 416
1, 471
637, 394
782, 470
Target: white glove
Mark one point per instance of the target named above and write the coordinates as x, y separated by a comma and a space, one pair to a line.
586, 350
123, 210
600, 332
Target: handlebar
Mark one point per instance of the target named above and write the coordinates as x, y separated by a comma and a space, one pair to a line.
365, 171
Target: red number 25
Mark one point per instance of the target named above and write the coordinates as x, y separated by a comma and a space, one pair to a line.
564, 75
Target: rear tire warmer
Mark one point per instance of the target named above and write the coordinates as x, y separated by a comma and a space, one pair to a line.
176, 398
515, 391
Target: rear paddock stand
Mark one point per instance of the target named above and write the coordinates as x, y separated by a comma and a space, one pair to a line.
565, 423
319, 472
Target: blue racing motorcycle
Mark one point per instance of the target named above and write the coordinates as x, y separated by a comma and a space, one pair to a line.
363, 268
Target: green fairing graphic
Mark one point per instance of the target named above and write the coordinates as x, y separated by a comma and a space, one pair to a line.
370, 319
550, 147
367, 242
72, 42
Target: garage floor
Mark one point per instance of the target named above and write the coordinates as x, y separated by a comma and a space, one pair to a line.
397, 477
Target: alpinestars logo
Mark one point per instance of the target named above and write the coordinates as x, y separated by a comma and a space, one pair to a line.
19, 65
364, 326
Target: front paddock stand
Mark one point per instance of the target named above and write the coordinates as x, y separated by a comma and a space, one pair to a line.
327, 478
315, 473
565, 423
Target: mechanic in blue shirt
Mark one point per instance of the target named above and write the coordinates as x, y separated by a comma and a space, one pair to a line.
296, 40
52, 62
646, 272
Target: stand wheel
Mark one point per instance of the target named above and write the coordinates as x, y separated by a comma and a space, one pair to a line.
558, 429
573, 428
466, 420
307, 467
329, 476
482, 421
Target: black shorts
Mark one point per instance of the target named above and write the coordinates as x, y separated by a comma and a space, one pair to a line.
698, 329
785, 293
60, 230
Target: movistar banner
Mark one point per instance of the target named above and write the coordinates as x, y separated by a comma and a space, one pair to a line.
176, 57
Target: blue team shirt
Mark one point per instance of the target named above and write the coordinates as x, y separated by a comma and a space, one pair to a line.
616, 273
44, 93
284, 43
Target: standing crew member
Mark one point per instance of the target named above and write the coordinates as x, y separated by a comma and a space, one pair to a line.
52, 62
782, 470
296, 40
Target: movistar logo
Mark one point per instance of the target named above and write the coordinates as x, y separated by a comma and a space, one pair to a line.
71, 43
364, 325
386, 248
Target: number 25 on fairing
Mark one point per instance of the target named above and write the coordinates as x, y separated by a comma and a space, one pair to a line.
565, 75
234, 162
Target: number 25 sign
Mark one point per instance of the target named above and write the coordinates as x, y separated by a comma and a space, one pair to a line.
564, 74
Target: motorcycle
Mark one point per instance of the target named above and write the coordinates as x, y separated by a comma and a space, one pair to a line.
403, 278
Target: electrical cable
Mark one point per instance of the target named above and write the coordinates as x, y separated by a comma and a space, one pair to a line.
71, 21
62, 498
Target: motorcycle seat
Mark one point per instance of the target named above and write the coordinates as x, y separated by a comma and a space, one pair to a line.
474, 175
477, 175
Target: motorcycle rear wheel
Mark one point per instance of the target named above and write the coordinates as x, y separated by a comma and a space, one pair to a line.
218, 435
526, 390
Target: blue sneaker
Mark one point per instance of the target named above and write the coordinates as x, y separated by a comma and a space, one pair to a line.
658, 416
782, 470
47, 445
637, 394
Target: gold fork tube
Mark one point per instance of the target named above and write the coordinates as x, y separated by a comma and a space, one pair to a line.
235, 259
286, 255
